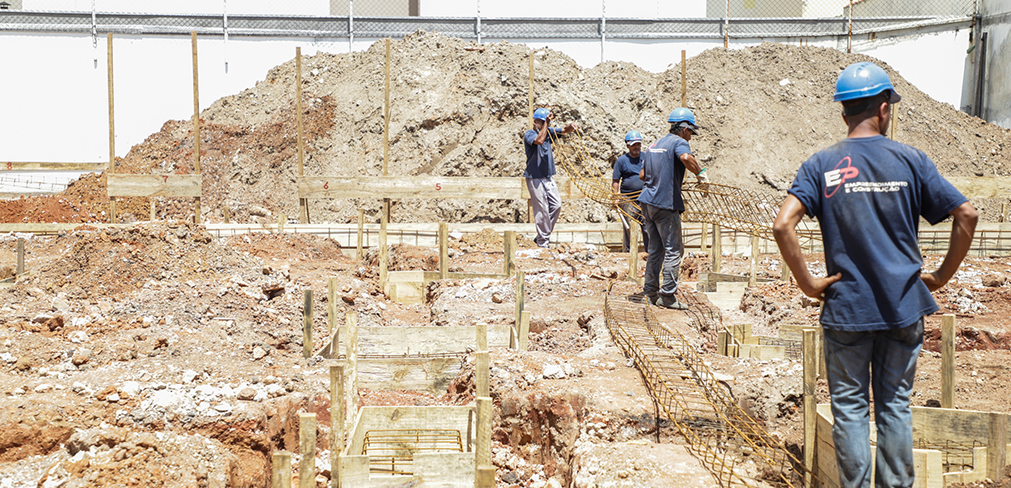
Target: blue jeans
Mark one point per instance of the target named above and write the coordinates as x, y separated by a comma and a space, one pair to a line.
665, 249
850, 357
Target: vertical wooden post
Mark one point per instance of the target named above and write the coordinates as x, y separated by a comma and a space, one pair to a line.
152, 209
20, 270
784, 272
112, 126
307, 324
717, 248
197, 218
227, 214
810, 402
948, 361
520, 295
351, 353
509, 252
336, 422
481, 361
722, 338
703, 244
684, 81
360, 253
280, 470
530, 103
482, 449
331, 309
482, 336
307, 450
485, 477
996, 446
383, 251
386, 113
281, 219
303, 204
634, 230
443, 251
523, 336
754, 261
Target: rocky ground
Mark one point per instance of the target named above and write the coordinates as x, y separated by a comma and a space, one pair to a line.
127, 351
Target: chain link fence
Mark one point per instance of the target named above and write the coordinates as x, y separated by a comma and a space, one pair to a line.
657, 19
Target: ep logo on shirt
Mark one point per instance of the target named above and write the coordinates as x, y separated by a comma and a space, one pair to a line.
839, 175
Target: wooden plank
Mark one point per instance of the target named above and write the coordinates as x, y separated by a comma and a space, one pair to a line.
948, 361
490, 188
929, 469
810, 404
996, 446
51, 166
180, 186
307, 450
937, 425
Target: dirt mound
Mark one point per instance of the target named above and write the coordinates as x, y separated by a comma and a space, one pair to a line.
459, 110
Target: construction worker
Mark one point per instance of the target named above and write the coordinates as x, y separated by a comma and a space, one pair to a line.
544, 197
663, 170
868, 194
625, 180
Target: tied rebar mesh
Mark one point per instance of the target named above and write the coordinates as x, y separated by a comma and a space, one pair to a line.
732, 445
751, 212
391, 451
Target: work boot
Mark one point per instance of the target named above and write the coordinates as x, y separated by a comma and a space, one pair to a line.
671, 302
643, 296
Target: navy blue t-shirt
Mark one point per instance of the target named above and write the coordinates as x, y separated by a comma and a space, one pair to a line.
868, 194
626, 169
540, 160
664, 173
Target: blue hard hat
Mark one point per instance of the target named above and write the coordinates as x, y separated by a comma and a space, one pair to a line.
632, 137
862, 80
541, 114
681, 114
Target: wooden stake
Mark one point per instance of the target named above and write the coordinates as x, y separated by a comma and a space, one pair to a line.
307, 324
717, 248
443, 251
703, 244
280, 470
996, 446
633, 250
520, 295
281, 219
482, 336
485, 477
810, 402
331, 308
360, 253
784, 271
523, 336
754, 261
383, 251
112, 126
948, 361
386, 114
509, 252
684, 81
722, 338
152, 209
481, 375
307, 450
336, 422
197, 218
20, 270
530, 102
482, 450
303, 210
351, 353
226, 214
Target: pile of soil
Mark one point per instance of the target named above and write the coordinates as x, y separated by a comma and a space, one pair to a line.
459, 109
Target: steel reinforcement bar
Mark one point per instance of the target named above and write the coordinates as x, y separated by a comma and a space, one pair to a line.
732, 445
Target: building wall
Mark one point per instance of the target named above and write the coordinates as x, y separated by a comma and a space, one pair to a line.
996, 23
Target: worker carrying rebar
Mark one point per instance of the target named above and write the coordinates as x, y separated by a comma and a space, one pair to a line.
868, 194
625, 180
663, 170
544, 196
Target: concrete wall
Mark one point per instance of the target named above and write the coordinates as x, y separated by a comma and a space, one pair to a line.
60, 111
997, 99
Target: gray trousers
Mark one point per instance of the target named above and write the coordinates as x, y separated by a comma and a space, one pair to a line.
665, 249
547, 204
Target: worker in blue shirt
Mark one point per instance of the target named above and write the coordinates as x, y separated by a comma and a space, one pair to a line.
625, 180
868, 194
544, 196
663, 170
